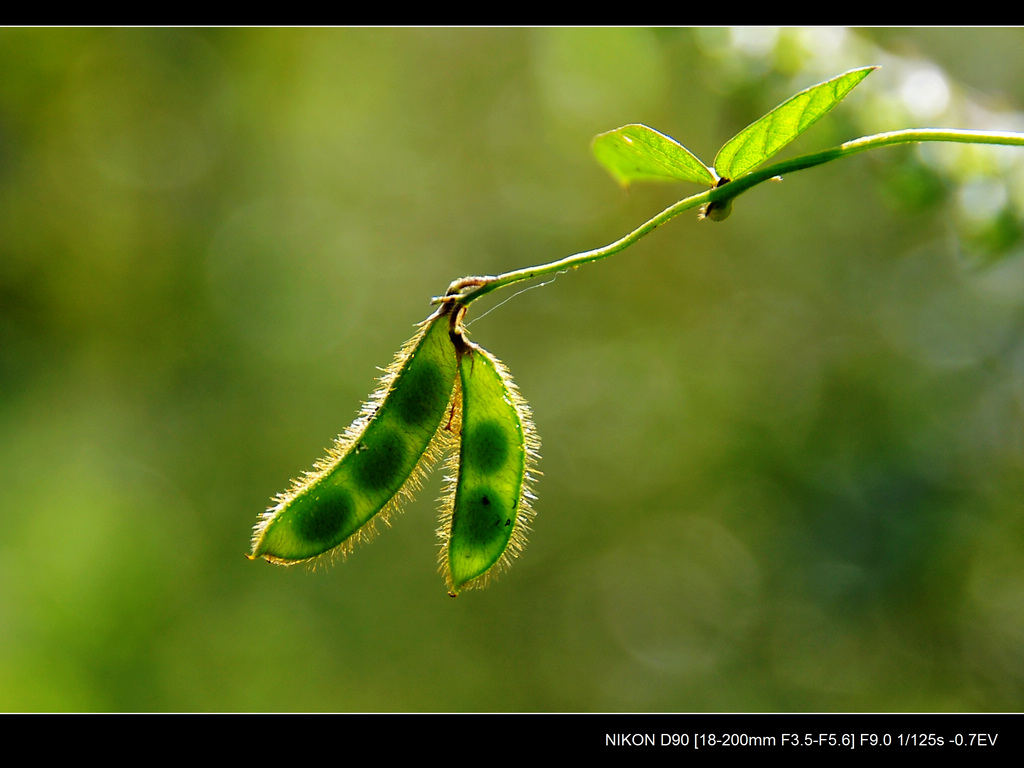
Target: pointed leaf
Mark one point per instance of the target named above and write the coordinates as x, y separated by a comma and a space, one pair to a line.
767, 135
638, 153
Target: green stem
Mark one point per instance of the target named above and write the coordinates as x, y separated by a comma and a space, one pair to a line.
468, 289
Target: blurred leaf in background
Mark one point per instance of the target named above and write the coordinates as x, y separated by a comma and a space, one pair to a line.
783, 454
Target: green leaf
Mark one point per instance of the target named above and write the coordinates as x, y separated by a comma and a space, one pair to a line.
767, 135
638, 153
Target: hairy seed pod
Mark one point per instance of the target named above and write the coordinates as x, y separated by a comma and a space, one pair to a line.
486, 510
377, 463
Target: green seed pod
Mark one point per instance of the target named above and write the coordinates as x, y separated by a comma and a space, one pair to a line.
377, 463
486, 511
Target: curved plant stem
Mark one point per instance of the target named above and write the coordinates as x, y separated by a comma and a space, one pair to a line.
468, 289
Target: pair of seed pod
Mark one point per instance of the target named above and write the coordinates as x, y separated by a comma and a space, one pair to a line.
442, 392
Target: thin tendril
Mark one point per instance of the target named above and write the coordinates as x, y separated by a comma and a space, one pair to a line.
517, 293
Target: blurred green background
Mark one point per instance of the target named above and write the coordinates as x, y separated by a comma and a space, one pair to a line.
783, 455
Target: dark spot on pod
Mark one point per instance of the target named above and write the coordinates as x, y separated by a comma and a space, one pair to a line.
483, 519
418, 395
487, 447
324, 520
381, 463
